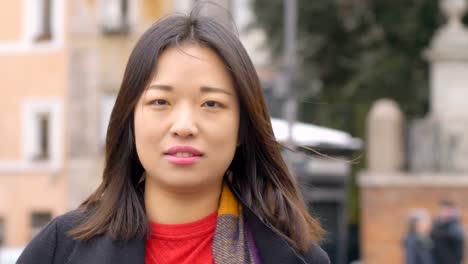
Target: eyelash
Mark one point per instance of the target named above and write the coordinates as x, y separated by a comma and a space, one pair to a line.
159, 101
163, 102
218, 104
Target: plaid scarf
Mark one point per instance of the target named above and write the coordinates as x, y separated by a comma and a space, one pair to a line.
231, 242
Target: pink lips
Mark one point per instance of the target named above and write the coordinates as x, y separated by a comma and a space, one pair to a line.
170, 155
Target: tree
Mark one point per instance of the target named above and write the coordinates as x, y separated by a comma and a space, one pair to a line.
360, 50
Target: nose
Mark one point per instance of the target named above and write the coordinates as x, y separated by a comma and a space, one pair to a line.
184, 123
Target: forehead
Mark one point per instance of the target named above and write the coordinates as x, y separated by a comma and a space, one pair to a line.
191, 65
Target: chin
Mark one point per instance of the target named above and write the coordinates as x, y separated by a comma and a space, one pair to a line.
184, 182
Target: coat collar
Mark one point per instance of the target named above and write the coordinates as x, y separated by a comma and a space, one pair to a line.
271, 247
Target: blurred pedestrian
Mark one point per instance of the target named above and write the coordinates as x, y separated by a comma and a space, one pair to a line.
417, 242
447, 234
193, 172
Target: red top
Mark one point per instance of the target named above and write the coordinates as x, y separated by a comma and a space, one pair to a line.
182, 243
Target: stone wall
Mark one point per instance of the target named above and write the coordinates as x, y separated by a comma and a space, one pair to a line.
436, 153
386, 201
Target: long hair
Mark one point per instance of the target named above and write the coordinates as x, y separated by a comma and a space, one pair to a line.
260, 175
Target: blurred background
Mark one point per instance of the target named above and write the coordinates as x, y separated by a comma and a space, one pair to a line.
371, 94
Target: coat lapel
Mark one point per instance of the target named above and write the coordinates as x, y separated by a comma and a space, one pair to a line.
105, 250
272, 248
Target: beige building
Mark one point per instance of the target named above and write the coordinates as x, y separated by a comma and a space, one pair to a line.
61, 63
33, 59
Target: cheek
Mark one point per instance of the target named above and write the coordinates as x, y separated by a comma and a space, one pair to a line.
226, 131
222, 142
139, 138
146, 137
227, 144
145, 126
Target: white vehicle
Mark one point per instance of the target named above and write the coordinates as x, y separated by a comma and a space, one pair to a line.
9, 255
314, 136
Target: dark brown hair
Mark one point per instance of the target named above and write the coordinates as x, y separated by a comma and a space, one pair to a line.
260, 176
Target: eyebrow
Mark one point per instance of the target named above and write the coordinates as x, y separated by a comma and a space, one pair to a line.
203, 89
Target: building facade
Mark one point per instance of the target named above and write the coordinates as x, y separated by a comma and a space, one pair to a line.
428, 164
33, 59
61, 64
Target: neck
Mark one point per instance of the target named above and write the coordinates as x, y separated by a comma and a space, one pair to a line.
170, 207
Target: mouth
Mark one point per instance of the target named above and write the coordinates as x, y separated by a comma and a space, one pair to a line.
183, 151
183, 155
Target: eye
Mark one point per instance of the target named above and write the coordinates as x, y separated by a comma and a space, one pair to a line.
159, 102
212, 104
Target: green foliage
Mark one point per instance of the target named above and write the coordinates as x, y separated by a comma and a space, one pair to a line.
361, 51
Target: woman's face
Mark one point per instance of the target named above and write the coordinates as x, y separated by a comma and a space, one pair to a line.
187, 121
423, 226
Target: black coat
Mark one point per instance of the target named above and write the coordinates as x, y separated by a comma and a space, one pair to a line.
448, 240
52, 245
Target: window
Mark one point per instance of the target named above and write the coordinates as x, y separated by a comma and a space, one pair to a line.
41, 14
114, 19
43, 137
38, 221
107, 103
2, 232
182, 6
42, 130
42, 27
45, 21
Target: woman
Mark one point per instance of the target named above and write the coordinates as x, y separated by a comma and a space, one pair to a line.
193, 172
417, 243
